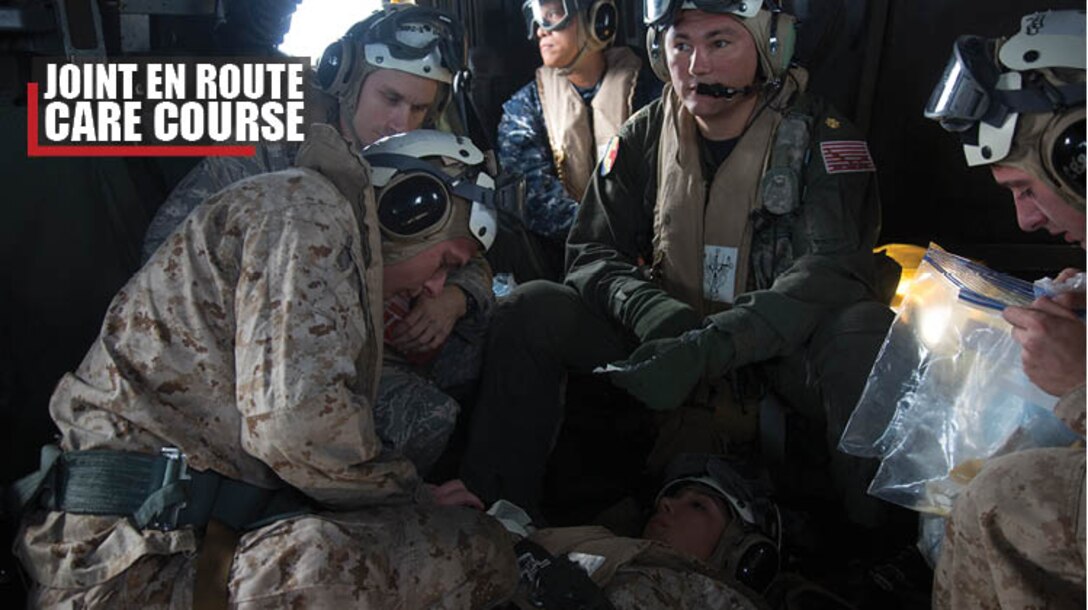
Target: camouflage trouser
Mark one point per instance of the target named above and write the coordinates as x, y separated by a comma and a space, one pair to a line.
413, 416
1016, 538
413, 413
462, 356
653, 588
392, 557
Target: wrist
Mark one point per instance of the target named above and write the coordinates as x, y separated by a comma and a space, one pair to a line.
717, 348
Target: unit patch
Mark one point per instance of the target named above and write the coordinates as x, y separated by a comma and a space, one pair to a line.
846, 156
719, 273
608, 158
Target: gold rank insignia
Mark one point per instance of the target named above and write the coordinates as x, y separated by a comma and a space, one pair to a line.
832, 122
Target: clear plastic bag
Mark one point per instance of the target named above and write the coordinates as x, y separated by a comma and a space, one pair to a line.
947, 390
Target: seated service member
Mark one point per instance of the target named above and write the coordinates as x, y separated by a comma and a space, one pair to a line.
389, 74
708, 242
225, 414
1016, 538
554, 129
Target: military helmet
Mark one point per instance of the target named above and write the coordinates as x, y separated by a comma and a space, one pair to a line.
422, 41
599, 20
1021, 101
773, 31
431, 186
748, 549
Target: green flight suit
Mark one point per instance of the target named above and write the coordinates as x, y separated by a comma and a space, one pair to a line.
812, 315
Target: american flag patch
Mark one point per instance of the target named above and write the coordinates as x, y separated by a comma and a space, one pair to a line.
844, 156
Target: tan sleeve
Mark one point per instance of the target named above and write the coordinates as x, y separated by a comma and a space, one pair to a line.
1070, 409
301, 336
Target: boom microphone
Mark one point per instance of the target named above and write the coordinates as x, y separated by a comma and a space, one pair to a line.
716, 90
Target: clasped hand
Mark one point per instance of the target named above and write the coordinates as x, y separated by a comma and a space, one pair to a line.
663, 372
430, 322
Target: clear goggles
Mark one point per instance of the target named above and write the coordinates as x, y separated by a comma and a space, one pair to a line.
965, 94
663, 12
418, 201
411, 35
548, 15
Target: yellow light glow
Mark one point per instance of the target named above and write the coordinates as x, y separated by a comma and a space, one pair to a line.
933, 323
909, 257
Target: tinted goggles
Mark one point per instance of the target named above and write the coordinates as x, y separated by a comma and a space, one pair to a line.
966, 93
663, 12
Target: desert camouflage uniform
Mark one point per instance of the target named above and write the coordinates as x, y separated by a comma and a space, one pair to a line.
1016, 538
250, 341
403, 389
640, 574
657, 588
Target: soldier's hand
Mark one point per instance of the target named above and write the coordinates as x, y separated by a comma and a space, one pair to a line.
454, 493
661, 373
1070, 300
1052, 342
430, 322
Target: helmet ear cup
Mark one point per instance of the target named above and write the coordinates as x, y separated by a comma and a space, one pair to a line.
1064, 152
754, 560
655, 51
337, 62
784, 41
603, 20
334, 68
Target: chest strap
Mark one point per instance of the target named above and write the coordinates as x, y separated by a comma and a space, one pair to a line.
158, 492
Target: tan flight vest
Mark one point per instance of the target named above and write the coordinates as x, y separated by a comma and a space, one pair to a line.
578, 138
687, 219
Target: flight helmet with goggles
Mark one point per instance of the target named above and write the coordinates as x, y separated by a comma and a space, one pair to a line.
1020, 101
599, 19
432, 186
773, 31
663, 12
418, 40
748, 549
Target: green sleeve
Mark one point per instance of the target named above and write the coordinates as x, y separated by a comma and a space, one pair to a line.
609, 248
833, 237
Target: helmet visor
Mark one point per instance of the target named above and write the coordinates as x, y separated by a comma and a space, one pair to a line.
963, 96
548, 15
663, 12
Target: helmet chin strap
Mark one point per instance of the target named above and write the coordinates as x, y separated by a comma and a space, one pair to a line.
567, 69
584, 38
581, 53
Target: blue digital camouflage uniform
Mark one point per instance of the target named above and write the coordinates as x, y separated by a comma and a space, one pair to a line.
524, 148
411, 412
